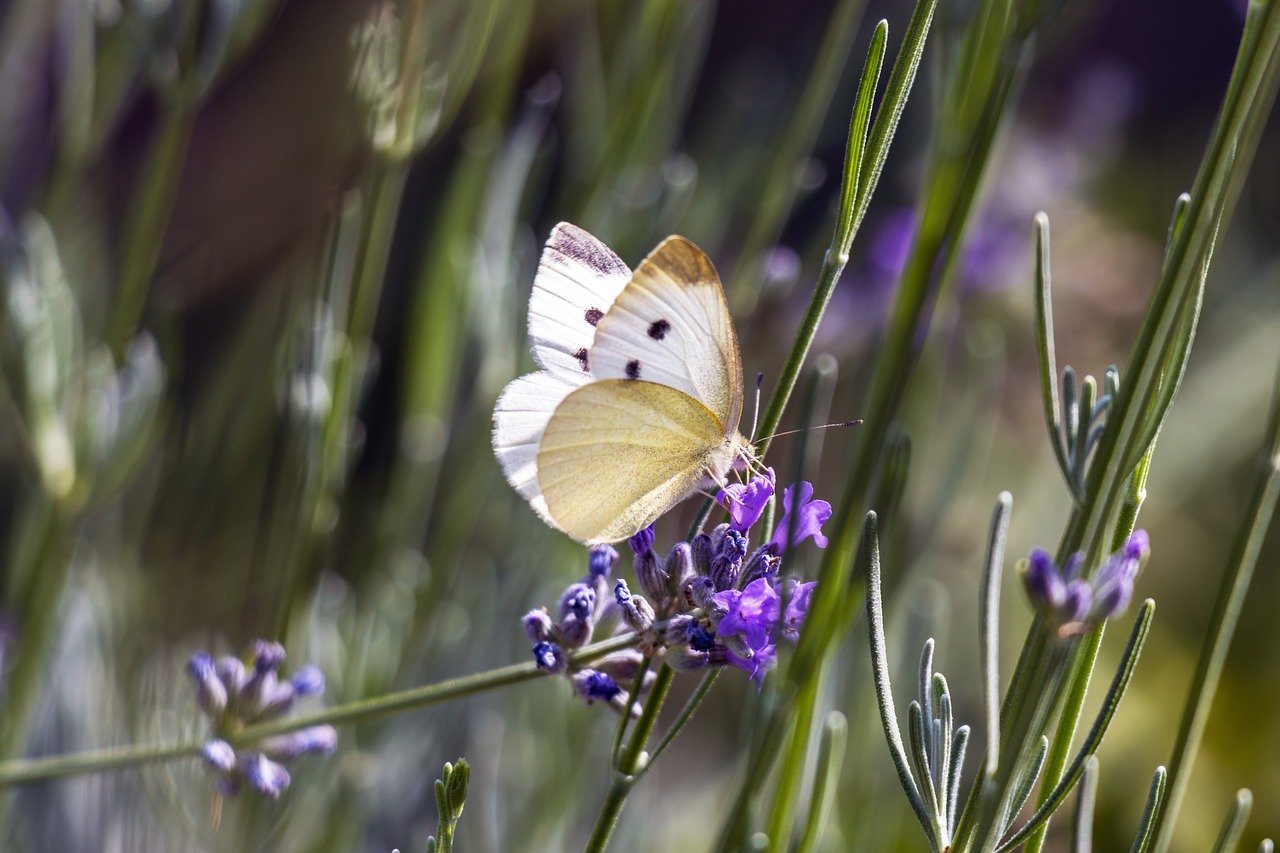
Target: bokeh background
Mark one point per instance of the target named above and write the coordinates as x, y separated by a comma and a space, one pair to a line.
319, 467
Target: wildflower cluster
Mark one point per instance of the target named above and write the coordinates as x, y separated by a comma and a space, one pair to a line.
1072, 603
234, 696
711, 601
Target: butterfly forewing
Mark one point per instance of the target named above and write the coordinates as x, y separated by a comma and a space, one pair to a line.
671, 325
577, 281
619, 453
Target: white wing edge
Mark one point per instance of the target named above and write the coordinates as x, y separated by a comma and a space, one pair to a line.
520, 418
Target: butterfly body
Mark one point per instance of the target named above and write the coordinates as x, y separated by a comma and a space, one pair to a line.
640, 396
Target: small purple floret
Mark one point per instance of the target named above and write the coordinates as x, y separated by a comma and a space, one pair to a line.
746, 501
600, 560
810, 515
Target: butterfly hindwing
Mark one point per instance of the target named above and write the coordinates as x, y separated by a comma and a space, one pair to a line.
577, 281
520, 418
671, 325
616, 454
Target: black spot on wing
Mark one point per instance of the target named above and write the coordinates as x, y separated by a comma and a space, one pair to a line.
633, 369
581, 356
658, 329
593, 315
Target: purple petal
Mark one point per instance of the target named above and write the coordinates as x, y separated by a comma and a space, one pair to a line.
810, 515
746, 501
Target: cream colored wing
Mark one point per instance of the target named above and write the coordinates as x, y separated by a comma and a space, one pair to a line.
671, 325
619, 453
519, 419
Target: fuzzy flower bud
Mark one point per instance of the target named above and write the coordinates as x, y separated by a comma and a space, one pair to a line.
636, 611
211, 693
538, 624
550, 658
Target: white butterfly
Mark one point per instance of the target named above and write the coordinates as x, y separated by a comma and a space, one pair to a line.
640, 394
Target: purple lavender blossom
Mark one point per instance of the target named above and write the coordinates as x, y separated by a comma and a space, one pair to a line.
746, 501
798, 597
579, 600
756, 666
233, 696
593, 685
751, 613
810, 516
1069, 601
600, 560
642, 541
550, 657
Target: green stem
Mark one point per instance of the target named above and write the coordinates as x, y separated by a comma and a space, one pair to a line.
629, 764
787, 787
149, 215
19, 771
1222, 626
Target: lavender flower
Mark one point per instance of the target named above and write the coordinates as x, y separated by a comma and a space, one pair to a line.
746, 501
810, 516
1071, 603
636, 611
233, 696
600, 560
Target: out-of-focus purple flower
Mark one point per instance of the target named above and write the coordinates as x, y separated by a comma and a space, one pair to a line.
308, 681
746, 501
267, 777
751, 613
321, 740
600, 560
781, 265
211, 693
891, 244
233, 697
810, 515
219, 755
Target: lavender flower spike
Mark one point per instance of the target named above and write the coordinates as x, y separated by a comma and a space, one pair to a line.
746, 501
810, 516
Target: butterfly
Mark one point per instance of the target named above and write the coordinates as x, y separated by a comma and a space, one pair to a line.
639, 396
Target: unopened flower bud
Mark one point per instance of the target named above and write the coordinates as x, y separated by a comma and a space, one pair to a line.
538, 624
636, 611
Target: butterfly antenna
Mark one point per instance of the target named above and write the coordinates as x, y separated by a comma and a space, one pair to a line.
854, 422
755, 419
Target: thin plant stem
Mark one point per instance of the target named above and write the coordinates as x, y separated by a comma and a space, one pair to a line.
1232, 592
111, 758
629, 764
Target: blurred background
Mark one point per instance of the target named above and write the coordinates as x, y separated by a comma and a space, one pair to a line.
285, 310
